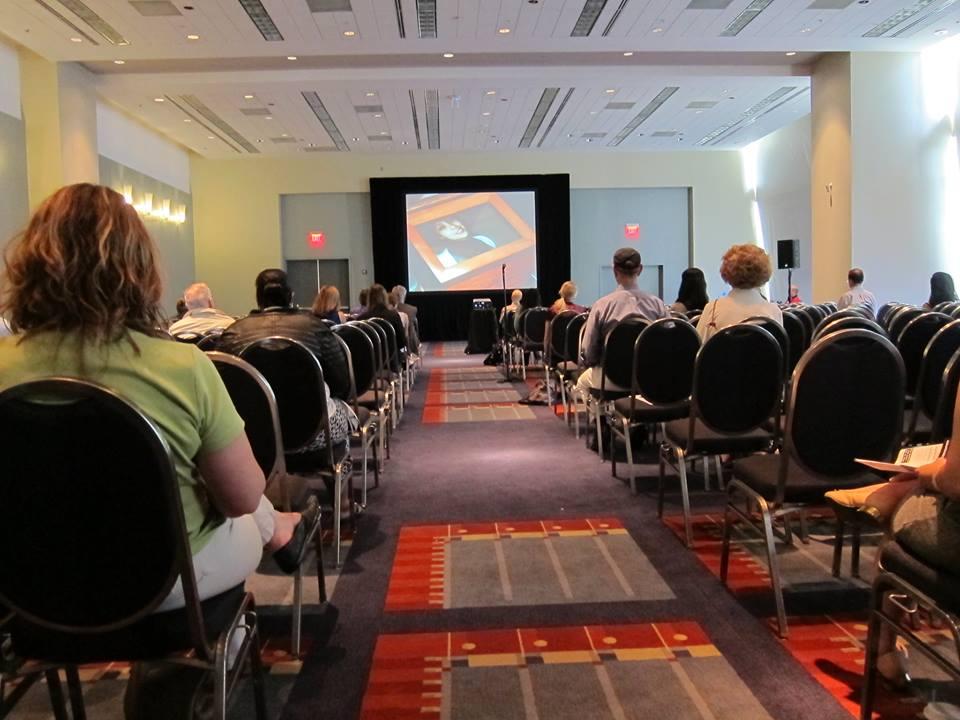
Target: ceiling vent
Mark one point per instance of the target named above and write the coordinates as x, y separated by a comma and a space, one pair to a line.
99, 25
664, 133
780, 96
155, 8
380, 138
256, 112
427, 18
261, 19
701, 104
432, 106
218, 122
923, 21
319, 6
283, 140
553, 120
368, 108
416, 121
711, 4
65, 21
593, 135
398, 9
588, 17
829, 4
539, 113
320, 110
747, 16
898, 18
771, 98
649, 109
616, 16
325, 148
619, 106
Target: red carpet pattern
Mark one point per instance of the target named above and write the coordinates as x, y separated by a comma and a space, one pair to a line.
672, 670
471, 394
520, 563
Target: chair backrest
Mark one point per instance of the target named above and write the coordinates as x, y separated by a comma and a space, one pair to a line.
296, 378
955, 312
210, 339
518, 322
535, 325
663, 358
508, 325
380, 355
557, 336
737, 379
937, 355
393, 352
190, 338
847, 322
255, 402
809, 326
572, 336
943, 306
899, 320
815, 312
913, 340
846, 402
942, 427
797, 334
853, 312
618, 345
779, 334
92, 536
362, 355
885, 311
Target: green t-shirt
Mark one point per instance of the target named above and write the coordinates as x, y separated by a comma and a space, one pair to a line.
174, 384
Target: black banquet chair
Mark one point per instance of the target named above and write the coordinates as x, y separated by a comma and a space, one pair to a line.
846, 401
101, 475
296, 378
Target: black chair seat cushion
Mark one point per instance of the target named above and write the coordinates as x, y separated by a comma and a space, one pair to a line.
943, 587
707, 441
314, 462
153, 637
647, 413
761, 473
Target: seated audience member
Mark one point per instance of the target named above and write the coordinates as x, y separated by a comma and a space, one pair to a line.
326, 305
516, 297
201, 315
693, 291
86, 243
941, 289
181, 308
746, 268
568, 291
361, 307
377, 307
625, 301
794, 296
404, 318
857, 294
277, 315
413, 335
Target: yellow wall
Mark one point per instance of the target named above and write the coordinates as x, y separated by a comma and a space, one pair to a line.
237, 207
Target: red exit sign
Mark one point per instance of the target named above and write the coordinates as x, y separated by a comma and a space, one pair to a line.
631, 231
316, 239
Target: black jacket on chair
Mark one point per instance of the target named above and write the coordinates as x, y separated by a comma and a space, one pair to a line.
297, 324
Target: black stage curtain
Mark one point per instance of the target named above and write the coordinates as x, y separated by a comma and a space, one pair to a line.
446, 315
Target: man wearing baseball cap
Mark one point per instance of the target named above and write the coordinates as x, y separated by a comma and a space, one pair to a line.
626, 300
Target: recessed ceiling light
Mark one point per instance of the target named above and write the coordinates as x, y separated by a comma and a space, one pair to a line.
383, 132
158, 99
699, 112
593, 112
284, 135
589, 139
76, 39
378, 115
349, 33
941, 33
403, 142
485, 114
210, 137
610, 91
370, 94
123, 43
291, 57
193, 37
119, 62
248, 97
268, 117
497, 140
628, 54
356, 139
187, 120
448, 55
791, 53
491, 92
805, 30
259, 140
504, 31
658, 29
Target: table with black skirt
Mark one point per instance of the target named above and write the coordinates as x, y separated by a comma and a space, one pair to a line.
483, 331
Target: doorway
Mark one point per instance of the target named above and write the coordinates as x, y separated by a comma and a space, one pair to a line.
306, 277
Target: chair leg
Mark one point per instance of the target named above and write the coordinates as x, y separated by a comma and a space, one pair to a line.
597, 409
633, 475
660, 478
870, 663
725, 547
838, 547
77, 709
296, 621
337, 511
220, 683
376, 461
563, 399
855, 552
706, 471
804, 535
719, 465
366, 450
321, 576
256, 672
685, 498
55, 690
774, 567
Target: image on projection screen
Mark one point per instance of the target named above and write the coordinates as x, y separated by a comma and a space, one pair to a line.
459, 241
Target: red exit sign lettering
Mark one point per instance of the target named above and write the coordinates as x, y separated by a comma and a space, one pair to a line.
316, 239
631, 231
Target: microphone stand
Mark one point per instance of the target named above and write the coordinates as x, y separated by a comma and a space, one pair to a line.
503, 335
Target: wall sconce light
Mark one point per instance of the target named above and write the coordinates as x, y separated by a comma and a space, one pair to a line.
159, 209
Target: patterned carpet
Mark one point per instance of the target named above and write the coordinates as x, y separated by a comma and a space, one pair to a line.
670, 670
471, 394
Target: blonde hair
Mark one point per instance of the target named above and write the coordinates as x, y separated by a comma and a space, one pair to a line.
568, 291
516, 296
85, 263
327, 300
746, 266
198, 296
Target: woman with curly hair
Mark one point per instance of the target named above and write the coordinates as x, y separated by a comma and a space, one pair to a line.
746, 268
82, 291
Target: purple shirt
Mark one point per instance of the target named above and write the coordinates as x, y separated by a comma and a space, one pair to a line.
611, 309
